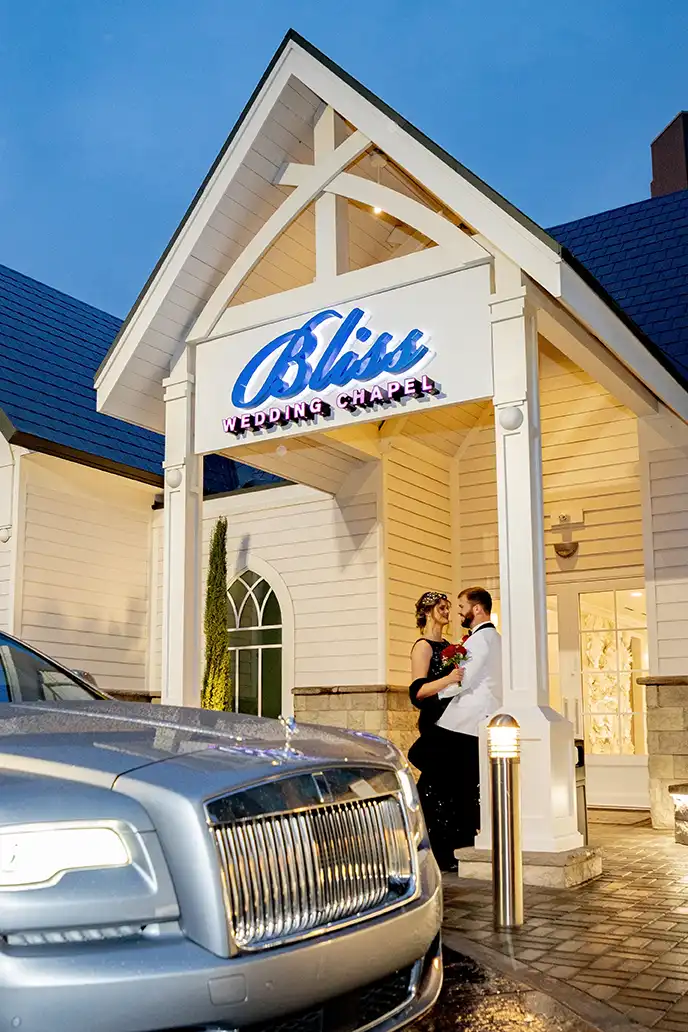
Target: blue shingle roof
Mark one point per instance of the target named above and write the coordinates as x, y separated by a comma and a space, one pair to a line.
50, 348
639, 254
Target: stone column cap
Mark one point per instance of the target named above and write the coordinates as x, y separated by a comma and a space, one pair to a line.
344, 689
658, 681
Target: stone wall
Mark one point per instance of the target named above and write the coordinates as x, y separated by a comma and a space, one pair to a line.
124, 695
667, 742
375, 708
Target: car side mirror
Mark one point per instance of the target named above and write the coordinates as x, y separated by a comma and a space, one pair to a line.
86, 676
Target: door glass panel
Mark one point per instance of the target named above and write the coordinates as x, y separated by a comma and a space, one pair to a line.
614, 654
597, 611
552, 614
631, 609
553, 653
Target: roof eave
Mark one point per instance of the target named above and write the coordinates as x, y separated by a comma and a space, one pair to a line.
592, 306
595, 285
105, 465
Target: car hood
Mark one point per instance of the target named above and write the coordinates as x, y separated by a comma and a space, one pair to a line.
97, 742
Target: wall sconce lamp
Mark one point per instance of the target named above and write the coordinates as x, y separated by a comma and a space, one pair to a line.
566, 549
563, 523
679, 794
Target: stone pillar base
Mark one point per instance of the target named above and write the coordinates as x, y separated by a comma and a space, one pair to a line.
667, 742
379, 709
565, 870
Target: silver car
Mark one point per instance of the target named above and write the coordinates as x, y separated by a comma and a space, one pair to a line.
165, 868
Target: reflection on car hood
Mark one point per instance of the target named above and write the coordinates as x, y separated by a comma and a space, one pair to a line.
96, 742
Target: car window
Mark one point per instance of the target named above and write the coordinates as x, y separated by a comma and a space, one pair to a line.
28, 677
4, 692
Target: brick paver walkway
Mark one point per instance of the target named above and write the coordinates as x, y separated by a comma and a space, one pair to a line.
622, 939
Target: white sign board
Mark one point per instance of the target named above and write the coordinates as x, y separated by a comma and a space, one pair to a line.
408, 349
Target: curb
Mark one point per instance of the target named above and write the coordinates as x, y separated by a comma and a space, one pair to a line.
597, 1014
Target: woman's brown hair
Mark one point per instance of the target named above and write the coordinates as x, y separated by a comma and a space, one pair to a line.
425, 604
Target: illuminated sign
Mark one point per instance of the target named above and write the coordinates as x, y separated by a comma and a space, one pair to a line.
303, 411
302, 360
406, 349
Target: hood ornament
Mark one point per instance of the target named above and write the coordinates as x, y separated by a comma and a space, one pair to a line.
290, 729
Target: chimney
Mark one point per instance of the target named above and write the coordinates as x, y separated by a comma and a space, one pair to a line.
670, 158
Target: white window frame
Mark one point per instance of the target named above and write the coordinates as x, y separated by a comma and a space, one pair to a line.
254, 564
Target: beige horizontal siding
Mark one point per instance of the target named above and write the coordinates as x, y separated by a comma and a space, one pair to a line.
668, 514
590, 461
418, 536
5, 583
85, 569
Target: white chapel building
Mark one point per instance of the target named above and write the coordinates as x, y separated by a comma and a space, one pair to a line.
403, 383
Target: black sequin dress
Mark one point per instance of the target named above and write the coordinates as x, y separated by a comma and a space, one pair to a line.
449, 796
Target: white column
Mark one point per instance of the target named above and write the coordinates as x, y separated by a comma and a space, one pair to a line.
547, 756
182, 601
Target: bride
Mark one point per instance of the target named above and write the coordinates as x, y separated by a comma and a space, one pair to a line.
436, 752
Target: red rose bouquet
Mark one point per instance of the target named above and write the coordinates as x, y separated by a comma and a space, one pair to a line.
454, 655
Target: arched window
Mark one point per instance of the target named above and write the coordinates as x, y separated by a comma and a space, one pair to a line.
255, 646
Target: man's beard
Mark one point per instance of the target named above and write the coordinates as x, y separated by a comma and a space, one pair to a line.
466, 622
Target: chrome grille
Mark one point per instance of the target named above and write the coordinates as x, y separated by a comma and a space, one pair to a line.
290, 874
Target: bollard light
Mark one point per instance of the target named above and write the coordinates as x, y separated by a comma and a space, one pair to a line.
504, 748
503, 738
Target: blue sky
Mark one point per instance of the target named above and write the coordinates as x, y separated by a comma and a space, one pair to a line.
113, 110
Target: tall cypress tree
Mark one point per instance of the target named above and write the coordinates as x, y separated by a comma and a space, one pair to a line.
217, 688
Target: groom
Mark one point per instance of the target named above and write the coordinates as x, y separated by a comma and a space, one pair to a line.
477, 697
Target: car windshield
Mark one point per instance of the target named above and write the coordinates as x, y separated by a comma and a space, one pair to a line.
26, 676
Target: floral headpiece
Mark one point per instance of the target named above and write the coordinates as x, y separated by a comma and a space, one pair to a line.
430, 598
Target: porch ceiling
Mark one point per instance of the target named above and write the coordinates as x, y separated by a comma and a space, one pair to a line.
312, 460
326, 460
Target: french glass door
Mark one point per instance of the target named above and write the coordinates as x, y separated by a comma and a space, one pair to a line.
597, 650
601, 651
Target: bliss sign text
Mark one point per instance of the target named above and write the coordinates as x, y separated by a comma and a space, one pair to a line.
292, 372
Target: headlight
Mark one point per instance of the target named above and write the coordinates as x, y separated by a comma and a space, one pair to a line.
36, 855
412, 800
